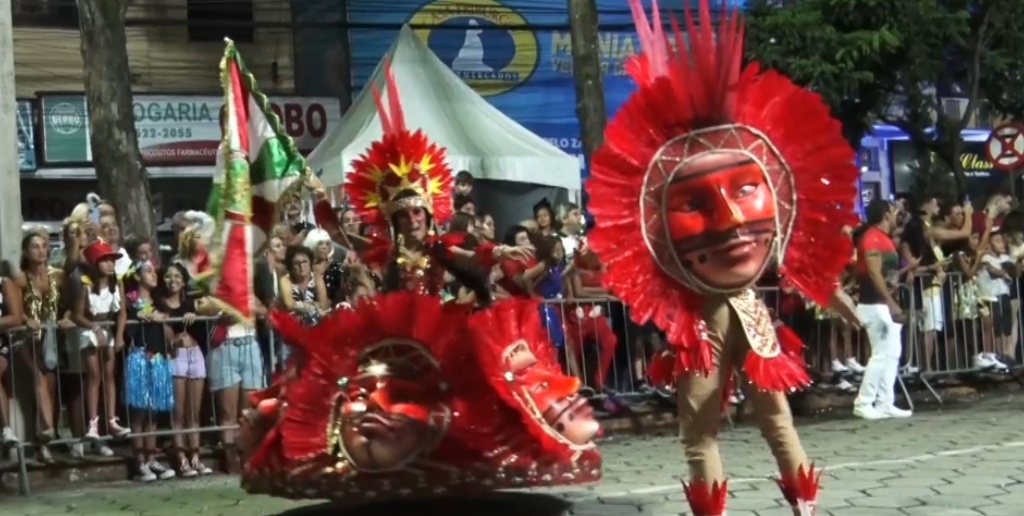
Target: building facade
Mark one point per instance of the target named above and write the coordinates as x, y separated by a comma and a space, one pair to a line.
174, 46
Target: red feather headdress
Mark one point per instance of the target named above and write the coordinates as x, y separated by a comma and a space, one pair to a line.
403, 169
693, 98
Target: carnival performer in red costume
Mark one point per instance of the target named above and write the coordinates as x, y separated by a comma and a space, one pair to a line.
721, 171
401, 395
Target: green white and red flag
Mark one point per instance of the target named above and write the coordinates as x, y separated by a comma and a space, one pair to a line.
258, 166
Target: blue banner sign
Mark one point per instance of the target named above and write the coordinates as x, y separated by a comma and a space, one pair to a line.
515, 53
26, 137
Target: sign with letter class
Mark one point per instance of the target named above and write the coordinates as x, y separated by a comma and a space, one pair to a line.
175, 130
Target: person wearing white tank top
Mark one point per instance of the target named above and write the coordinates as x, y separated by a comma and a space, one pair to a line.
100, 302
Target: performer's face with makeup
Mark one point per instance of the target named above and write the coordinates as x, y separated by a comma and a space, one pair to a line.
413, 222
720, 214
385, 421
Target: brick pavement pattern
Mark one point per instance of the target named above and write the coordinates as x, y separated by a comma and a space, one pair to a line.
962, 462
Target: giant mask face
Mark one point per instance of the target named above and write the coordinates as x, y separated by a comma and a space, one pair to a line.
551, 396
391, 413
713, 215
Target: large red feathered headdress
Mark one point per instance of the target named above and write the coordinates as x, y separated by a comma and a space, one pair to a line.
404, 169
695, 99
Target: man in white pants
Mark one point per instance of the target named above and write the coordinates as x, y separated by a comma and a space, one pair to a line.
877, 271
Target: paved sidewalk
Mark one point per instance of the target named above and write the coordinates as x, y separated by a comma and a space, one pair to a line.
957, 463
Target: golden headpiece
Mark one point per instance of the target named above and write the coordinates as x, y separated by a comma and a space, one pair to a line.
402, 170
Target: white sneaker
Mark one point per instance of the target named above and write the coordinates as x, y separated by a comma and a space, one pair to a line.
909, 370
845, 386
93, 434
160, 471
100, 448
185, 468
8, 436
868, 412
838, 367
987, 361
144, 474
77, 451
893, 411
854, 365
199, 467
117, 430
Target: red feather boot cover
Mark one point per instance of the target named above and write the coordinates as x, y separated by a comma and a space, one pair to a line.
801, 490
706, 499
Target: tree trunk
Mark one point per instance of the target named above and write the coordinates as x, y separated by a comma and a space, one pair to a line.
586, 67
115, 148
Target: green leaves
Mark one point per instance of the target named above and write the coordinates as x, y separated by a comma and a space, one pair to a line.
862, 56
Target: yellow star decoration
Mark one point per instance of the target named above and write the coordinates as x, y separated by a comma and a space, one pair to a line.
403, 169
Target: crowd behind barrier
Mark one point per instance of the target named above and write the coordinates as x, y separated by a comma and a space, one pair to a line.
161, 403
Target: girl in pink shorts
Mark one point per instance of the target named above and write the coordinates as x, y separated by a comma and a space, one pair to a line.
188, 367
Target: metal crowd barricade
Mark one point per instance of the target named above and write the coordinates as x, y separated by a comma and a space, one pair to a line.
957, 328
55, 365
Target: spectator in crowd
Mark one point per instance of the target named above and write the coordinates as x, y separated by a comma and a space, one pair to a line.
571, 223
997, 274
880, 314
922, 238
325, 266
349, 220
550, 285
544, 216
140, 248
236, 369
518, 277
530, 225
303, 292
148, 388
587, 322
188, 366
970, 306
484, 227
100, 301
111, 232
41, 286
464, 184
10, 317
464, 204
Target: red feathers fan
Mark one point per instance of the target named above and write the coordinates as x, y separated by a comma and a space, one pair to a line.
696, 91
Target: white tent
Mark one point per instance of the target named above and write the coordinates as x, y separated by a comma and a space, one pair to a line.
478, 137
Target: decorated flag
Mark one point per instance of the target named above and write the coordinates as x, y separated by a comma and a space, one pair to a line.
257, 167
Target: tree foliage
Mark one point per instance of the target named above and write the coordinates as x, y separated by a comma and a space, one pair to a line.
841, 49
893, 60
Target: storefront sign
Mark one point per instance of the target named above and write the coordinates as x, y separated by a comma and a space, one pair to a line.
977, 168
26, 137
176, 130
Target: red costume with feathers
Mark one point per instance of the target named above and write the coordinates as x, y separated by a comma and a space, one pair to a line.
403, 396
733, 169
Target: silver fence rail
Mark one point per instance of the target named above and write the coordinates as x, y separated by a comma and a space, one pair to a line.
179, 385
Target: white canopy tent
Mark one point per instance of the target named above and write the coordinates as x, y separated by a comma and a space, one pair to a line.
478, 137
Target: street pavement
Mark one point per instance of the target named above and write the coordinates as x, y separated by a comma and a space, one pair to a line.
960, 462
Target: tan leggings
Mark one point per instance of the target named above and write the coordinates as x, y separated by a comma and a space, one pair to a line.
700, 404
